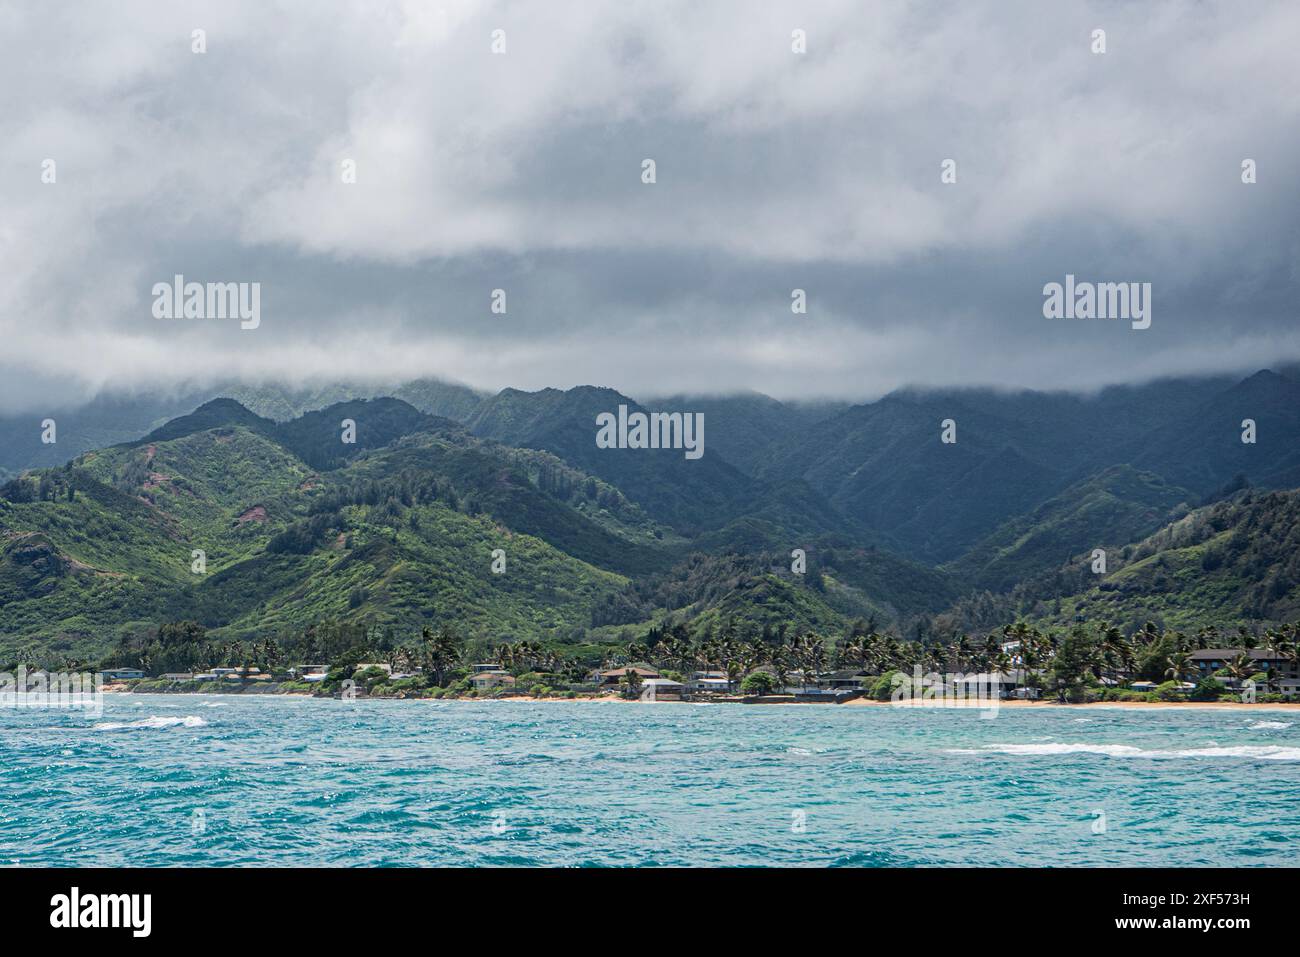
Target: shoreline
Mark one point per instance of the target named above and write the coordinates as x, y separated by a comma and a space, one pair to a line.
856, 702
1079, 705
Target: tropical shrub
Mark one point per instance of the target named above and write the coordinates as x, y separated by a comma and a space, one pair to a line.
883, 689
760, 683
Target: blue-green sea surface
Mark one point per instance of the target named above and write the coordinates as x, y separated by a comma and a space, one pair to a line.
242, 780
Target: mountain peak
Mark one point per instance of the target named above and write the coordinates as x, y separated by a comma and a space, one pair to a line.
212, 414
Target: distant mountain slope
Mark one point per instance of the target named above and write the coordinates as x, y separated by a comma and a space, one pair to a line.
691, 495
431, 396
883, 463
1203, 449
111, 419
744, 428
105, 421
1225, 564
317, 437
105, 549
1114, 507
1231, 562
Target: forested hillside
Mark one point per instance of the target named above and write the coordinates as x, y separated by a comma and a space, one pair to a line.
374, 513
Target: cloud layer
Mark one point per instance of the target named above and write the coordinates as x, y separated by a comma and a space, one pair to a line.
521, 171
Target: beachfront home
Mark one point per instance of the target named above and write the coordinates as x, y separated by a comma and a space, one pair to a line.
486, 666
121, 674
179, 676
999, 684
613, 677
241, 674
490, 680
662, 689
846, 679
711, 681
1283, 672
1181, 686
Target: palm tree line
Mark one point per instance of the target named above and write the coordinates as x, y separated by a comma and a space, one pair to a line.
1108, 653
734, 653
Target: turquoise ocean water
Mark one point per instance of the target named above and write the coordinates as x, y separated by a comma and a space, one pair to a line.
230, 780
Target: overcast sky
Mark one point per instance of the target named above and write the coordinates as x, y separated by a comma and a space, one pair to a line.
522, 171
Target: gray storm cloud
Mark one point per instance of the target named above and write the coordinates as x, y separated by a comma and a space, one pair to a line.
522, 171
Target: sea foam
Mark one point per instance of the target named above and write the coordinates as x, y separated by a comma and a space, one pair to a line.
189, 721
1257, 751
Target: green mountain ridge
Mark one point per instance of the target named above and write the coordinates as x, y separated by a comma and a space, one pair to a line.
397, 530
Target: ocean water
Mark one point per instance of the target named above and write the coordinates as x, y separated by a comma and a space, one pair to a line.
230, 780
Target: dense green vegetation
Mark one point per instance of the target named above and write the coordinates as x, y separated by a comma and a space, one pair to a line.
398, 531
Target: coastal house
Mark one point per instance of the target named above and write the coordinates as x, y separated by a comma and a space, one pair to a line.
179, 676
662, 689
485, 666
1000, 684
121, 674
841, 680
613, 677
1181, 686
241, 674
710, 681
490, 680
1283, 672
303, 670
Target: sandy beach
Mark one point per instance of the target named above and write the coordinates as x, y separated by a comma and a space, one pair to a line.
855, 703
1125, 705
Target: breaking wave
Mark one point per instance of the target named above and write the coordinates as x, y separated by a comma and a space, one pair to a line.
189, 721
1256, 751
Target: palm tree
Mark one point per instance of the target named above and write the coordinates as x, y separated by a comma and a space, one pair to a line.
1180, 665
1242, 666
441, 651
988, 654
1278, 648
857, 649
780, 661
1114, 649
960, 650
810, 653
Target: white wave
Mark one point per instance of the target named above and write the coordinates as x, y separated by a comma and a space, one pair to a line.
189, 721
1115, 750
212, 704
1263, 752
1256, 751
1269, 725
